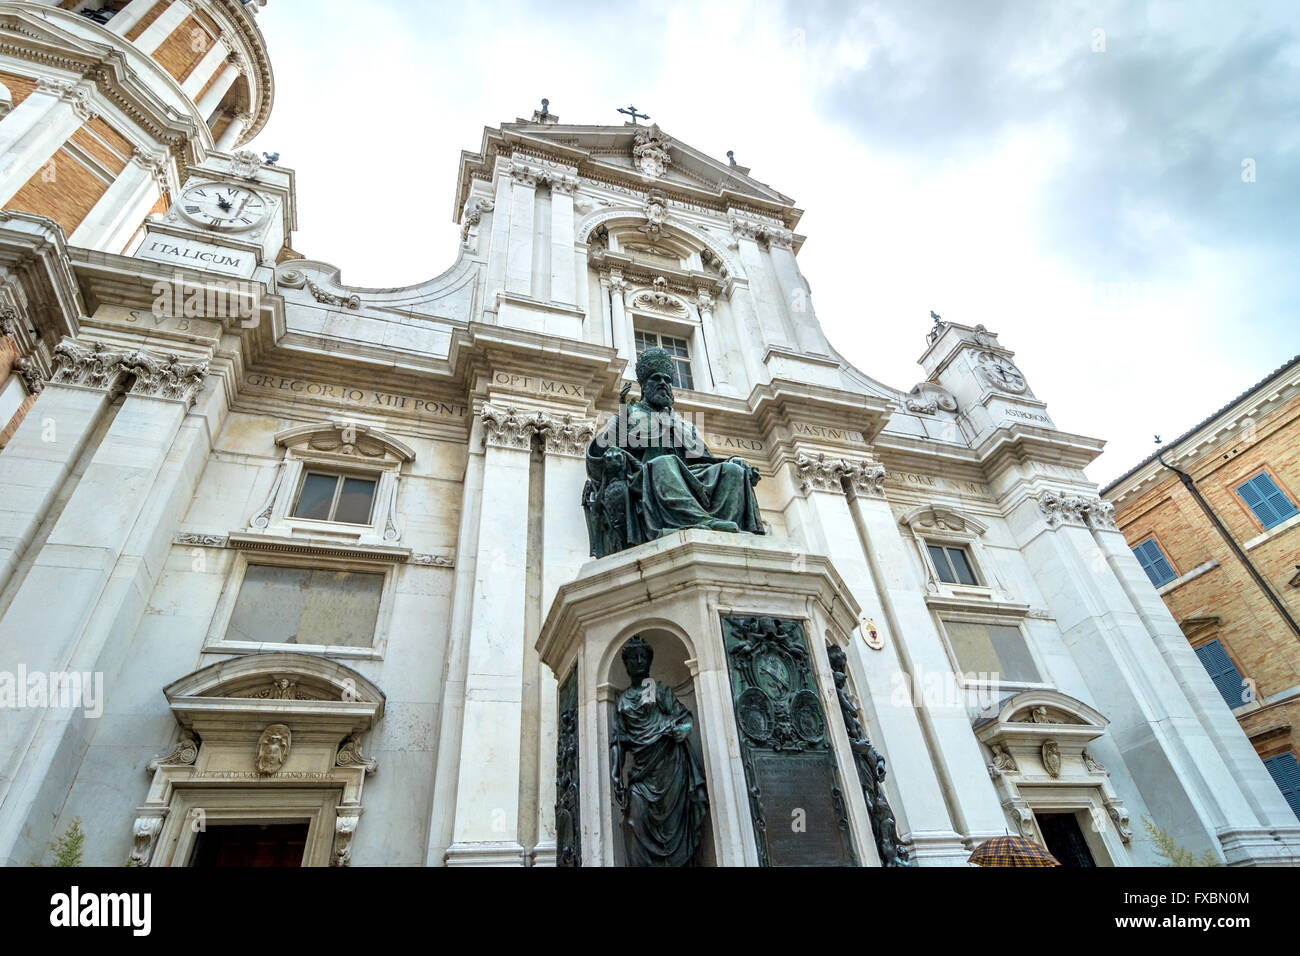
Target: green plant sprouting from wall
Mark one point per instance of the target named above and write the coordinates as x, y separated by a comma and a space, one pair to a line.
1175, 854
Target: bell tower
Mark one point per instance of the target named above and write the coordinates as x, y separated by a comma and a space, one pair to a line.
108, 110
105, 103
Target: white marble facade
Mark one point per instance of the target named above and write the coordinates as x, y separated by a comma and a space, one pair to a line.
182, 441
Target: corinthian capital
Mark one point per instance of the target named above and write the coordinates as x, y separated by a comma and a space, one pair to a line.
821, 473
564, 436
504, 428
167, 378
868, 479
94, 365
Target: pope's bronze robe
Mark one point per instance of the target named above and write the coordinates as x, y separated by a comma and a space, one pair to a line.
672, 480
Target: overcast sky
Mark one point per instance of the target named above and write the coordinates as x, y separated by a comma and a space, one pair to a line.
1070, 175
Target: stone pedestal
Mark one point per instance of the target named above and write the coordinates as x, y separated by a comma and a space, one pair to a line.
684, 594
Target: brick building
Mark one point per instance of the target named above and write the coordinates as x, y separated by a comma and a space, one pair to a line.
1214, 519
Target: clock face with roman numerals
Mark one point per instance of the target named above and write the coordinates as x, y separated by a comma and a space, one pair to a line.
222, 206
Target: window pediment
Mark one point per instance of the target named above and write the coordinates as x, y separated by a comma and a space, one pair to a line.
258, 685
1042, 713
931, 519
344, 437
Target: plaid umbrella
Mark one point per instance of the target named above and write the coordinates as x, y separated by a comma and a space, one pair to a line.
1011, 851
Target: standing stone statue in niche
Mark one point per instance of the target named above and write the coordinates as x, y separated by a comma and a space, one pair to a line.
650, 473
658, 782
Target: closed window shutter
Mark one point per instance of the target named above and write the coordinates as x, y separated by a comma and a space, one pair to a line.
1274, 497
1285, 769
1269, 503
1154, 563
1222, 671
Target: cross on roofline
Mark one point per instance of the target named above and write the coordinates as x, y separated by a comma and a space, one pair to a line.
630, 110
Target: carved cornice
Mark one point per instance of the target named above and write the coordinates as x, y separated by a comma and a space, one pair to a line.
531, 174
183, 754
868, 479
820, 473
352, 301
504, 428
927, 398
167, 378
567, 437
1059, 509
96, 366
828, 474
31, 375
746, 228
350, 755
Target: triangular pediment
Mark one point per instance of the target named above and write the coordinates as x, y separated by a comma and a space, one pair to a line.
609, 152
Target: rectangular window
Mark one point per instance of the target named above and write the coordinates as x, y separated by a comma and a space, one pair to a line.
991, 649
1154, 562
279, 605
953, 565
343, 498
675, 347
1285, 769
1223, 672
1266, 500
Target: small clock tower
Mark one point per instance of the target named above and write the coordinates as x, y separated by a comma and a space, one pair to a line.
232, 216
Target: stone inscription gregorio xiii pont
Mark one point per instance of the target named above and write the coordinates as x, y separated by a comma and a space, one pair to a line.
356, 397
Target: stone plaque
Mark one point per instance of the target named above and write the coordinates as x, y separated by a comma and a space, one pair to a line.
795, 797
803, 809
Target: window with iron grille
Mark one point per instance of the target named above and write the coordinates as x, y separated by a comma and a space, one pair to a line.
677, 348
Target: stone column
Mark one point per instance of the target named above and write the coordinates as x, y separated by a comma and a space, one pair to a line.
920, 741
624, 333
1232, 744
41, 453
519, 248
87, 587
563, 273
797, 300
162, 28
212, 98
565, 549
129, 16
763, 291
206, 68
32, 133
1183, 769
720, 347
229, 138
496, 252
487, 813
121, 210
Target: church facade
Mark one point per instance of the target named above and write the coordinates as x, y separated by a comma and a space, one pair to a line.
299, 572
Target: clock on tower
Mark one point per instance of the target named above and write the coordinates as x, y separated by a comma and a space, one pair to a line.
231, 217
